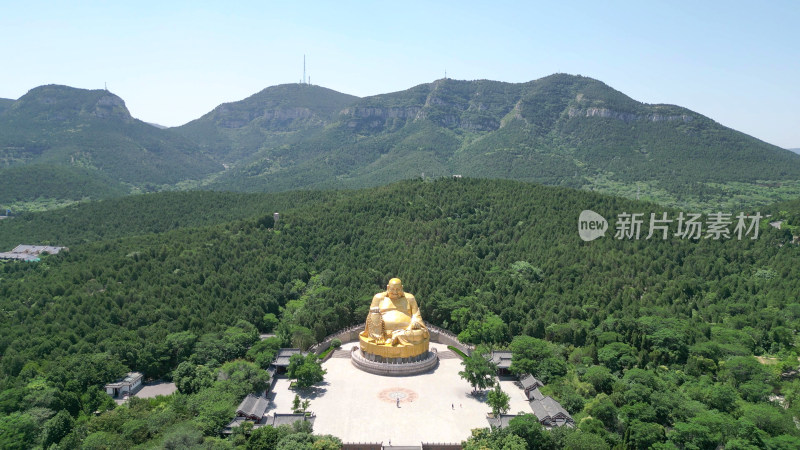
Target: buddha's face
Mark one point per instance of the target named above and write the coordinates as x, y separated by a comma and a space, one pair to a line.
394, 290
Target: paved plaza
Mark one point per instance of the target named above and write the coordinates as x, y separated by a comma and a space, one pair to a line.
151, 390
360, 407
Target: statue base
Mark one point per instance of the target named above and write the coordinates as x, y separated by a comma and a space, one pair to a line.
379, 365
393, 351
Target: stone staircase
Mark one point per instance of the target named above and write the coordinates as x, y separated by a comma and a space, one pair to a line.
448, 354
341, 354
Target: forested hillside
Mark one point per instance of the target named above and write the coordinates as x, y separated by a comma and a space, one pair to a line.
644, 341
5, 103
560, 130
92, 145
147, 213
278, 115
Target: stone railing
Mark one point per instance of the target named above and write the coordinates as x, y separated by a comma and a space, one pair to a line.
441, 446
394, 369
362, 446
442, 336
350, 334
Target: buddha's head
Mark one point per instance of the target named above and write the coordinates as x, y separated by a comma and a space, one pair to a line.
394, 289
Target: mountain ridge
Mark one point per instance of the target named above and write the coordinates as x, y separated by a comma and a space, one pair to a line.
561, 129
58, 128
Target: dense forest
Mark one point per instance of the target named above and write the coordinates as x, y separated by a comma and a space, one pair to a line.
667, 343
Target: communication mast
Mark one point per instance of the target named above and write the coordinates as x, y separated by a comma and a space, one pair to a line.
304, 69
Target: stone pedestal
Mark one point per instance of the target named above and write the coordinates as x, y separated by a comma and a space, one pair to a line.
380, 365
392, 351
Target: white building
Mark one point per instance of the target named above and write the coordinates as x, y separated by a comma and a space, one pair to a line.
128, 385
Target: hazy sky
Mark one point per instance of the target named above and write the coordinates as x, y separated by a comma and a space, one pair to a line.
736, 62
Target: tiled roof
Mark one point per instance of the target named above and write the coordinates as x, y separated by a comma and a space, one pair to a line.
501, 358
549, 411
288, 419
535, 394
282, 358
253, 407
502, 421
529, 381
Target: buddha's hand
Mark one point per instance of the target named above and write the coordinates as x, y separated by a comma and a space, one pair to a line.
395, 337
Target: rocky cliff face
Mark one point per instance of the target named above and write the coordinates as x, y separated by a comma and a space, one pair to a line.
228, 117
441, 106
627, 117
110, 105
54, 103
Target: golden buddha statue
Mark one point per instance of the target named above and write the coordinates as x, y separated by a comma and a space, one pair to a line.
394, 327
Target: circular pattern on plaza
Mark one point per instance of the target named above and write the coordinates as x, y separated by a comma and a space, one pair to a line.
393, 394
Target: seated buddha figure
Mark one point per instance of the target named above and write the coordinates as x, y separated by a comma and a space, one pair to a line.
394, 321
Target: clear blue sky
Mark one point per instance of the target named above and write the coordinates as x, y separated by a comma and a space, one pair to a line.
736, 62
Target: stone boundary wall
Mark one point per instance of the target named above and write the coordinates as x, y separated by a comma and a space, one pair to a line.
440, 446
442, 336
345, 335
350, 334
362, 446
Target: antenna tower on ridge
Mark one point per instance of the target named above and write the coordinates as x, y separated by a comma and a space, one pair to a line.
304, 69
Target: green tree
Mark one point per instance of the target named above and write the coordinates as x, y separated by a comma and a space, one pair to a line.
296, 441
498, 400
190, 378
524, 270
490, 329
773, 420
302, 337
244, 376
326, 442
56, 428
296, 404
483, 438
537, 357
179, 345
741, 369
104, 440
694, 435
617, 356
269, 321
478, 371
578, 440
267, 438
306, 370
263, 352
603, 409
600, 378
722, 397
183, 436
527, 427
17, 431
642, 435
